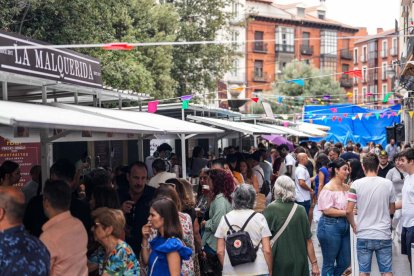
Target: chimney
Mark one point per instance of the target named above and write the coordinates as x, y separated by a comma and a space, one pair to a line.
380, 30
300, 10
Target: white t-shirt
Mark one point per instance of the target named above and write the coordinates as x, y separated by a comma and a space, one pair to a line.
408, 201
258, 172
257, 229
301, 172
290, 161
373, 196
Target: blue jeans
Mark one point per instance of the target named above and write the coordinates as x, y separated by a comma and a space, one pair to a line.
306, 204
333, 235
383, 252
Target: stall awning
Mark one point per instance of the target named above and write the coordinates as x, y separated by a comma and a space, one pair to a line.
167, 124
311, 129
51, 117
288, 131
242, 127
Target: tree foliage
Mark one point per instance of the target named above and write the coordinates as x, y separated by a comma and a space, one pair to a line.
199, 67
318, 83
163, 71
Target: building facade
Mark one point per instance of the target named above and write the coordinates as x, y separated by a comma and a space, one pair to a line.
406, 76
278, 34
377, 57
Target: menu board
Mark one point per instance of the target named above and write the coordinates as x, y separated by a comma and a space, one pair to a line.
25, 154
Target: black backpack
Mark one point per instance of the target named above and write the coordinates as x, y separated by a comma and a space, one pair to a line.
265, 189
239, 245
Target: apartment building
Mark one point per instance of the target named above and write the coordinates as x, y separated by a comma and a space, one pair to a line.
278, 34
377, 57
406, 76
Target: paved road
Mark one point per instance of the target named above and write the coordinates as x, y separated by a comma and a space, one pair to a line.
401, 266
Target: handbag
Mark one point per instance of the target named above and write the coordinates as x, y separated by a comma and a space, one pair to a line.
282, 229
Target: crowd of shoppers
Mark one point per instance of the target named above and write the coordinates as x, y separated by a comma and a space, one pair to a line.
139, 221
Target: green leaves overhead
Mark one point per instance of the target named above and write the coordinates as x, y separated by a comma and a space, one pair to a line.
165, 71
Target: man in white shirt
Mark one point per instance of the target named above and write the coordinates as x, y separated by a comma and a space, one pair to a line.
303, 188
160, 174
406, 161
288, 166
374, 198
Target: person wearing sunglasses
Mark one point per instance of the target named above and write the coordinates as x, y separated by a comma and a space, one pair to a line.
114, 256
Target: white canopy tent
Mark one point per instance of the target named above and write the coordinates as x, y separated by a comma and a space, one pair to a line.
311, 129
61, 120
167, 124
288, 131
242, 127
56, 122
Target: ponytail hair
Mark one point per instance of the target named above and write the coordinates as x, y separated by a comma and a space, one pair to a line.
336, 165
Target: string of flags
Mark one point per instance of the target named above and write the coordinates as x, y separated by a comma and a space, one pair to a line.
353, 116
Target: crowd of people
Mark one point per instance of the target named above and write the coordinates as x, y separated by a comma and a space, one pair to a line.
244, 213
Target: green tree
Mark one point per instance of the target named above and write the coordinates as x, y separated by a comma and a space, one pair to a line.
199, 67
318, 83
145, 69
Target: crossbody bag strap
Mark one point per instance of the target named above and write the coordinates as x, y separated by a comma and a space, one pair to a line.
282, 229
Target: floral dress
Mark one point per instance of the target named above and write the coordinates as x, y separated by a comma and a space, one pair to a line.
121, 261
187, 268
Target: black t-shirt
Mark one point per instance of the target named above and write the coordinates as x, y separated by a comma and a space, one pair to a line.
35, 217
138, 218
382, 172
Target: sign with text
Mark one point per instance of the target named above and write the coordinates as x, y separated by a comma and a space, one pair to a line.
47, 62
25, 154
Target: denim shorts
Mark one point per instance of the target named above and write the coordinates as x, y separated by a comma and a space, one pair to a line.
383, 252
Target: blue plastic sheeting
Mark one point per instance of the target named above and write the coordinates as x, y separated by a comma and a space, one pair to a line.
355, 129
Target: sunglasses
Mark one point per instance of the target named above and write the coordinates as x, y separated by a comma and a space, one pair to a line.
96, 225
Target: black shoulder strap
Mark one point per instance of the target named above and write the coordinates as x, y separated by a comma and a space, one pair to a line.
228, 223
260, 174
247, 221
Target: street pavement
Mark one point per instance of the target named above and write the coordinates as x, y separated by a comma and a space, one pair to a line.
400, 262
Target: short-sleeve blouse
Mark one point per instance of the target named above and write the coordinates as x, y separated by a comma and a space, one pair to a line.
332, 199
121, 261
160, 247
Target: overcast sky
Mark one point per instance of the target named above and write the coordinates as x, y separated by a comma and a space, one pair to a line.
359, 13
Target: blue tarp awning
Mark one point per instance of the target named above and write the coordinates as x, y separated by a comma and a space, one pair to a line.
346, 122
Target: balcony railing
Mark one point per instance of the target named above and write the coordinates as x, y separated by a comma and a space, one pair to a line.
346, 82
394, 52
346, 54
260, 47
284, 48
306, 50
260, 76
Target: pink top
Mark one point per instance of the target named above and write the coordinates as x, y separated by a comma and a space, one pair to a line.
332, 199
66, 239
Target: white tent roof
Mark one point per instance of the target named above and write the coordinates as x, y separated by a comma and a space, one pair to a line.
44, 116
236, 126
320, 127
311, 129
288, 131
167, 124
